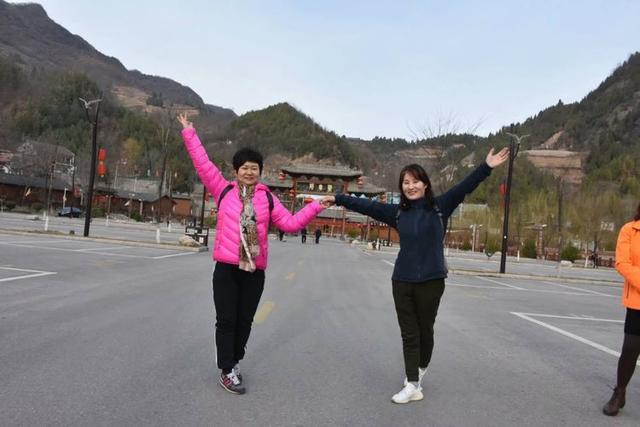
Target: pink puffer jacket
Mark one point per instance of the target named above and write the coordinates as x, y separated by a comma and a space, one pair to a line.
227, 244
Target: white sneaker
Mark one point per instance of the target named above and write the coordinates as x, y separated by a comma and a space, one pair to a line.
407, 394
421, 373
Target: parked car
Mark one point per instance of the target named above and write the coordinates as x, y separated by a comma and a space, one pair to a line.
71, 212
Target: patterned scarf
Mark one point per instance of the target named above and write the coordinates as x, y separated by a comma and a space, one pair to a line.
249, 248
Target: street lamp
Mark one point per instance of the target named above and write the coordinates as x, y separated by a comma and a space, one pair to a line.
514, 147
92, 174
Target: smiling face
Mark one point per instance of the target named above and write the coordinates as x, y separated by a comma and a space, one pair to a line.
248, 173
412, 187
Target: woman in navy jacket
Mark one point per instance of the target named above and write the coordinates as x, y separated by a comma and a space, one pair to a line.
420, 268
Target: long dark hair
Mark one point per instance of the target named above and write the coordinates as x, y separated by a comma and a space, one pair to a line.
637, 215
420, 174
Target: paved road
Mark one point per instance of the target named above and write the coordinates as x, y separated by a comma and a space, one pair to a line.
100, 334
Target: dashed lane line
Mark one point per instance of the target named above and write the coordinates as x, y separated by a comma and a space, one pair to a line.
263, 312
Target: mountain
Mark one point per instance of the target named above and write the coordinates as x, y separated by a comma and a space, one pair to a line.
31, 39
595, 140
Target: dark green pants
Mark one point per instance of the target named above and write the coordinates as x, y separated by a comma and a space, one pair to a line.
417, 306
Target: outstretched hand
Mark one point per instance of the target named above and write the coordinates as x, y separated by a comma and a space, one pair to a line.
497, 159
328, 201
183, 118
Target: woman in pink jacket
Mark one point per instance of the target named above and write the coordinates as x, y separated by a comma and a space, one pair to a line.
245, 210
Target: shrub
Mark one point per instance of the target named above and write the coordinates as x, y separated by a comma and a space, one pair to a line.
136, 216
570, 253
529, 249
210, 221
97, 212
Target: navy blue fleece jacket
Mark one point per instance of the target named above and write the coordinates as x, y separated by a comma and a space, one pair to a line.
421, 255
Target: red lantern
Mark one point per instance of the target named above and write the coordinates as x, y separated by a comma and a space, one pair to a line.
102, 154
308, 200
281, 176
102, 169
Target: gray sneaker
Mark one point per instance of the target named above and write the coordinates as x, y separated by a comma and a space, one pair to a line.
231, 383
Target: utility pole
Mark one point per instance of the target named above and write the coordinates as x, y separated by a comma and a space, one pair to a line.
94, 153
514, 147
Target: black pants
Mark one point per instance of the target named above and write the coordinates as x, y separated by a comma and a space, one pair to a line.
236, 294
417, 306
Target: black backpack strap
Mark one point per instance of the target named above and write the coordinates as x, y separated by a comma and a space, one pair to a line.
224, 193
439, 212
270, 200
435, 208
230, 186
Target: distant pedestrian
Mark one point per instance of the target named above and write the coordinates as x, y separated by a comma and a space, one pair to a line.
303, 235
628, 265
246, 208
318, 233
280, 235
420, 269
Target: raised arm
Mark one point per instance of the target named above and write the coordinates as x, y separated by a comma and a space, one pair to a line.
285, 221
208, 172
450, 200
624, 265
379, 211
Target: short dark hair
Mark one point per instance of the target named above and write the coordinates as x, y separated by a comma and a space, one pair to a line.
637, 215
420, 174
245, 155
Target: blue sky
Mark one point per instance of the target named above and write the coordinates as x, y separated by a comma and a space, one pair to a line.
370, 68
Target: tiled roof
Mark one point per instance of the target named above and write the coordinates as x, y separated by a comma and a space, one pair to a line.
32, 181
316, 170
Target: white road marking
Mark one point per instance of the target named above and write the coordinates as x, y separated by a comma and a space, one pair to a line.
499, 283
528, 316
172, 255
102, 249
36, 273
475, 286
94, 251
580, 289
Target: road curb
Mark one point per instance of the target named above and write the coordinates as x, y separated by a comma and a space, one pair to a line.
106, 239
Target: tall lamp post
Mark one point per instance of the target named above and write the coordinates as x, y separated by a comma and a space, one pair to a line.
92, 174
514, 147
